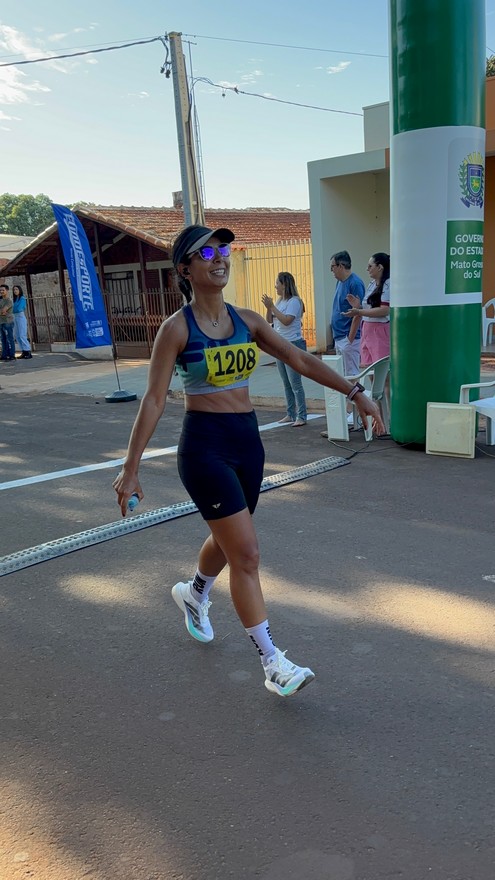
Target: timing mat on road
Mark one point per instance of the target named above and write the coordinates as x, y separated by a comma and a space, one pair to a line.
81, 540
115, 462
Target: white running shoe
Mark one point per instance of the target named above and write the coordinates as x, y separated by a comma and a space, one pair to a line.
195, 613
285, 678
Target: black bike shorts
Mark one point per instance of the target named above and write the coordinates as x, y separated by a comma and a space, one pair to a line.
220, 459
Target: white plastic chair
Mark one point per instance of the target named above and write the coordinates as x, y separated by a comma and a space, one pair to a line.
374, 378
485, 406
488, 323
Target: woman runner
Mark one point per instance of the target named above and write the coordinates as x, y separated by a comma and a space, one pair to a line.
215, 347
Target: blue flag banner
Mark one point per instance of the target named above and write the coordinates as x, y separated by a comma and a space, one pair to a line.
91, 321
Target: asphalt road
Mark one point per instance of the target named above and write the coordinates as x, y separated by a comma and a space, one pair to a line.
130, 752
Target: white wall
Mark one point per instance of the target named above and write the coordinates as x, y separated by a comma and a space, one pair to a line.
348, 212
376, 126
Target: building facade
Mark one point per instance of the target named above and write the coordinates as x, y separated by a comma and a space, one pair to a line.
349, 200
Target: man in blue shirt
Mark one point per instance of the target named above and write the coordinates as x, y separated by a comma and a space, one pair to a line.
346, 331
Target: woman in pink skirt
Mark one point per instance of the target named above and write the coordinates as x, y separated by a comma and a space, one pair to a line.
375, 311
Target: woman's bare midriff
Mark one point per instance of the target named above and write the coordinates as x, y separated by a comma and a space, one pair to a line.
233, 401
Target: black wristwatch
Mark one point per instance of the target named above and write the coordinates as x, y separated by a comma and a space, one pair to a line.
355, 390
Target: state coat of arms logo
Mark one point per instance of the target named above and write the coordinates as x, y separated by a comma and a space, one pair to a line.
472, 180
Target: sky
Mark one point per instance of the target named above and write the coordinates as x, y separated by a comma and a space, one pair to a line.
101, 127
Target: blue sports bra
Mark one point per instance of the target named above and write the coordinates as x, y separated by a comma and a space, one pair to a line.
209, 365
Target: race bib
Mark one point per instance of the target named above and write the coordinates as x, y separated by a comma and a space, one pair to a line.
230, 363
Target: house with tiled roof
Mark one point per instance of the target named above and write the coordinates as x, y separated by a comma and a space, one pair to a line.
131, 248
10, 245
118, 231
251, 225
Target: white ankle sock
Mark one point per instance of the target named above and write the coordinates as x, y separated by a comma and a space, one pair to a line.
261, 637
201, 586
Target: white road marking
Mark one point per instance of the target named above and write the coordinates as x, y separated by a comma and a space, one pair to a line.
61, 546
114, 463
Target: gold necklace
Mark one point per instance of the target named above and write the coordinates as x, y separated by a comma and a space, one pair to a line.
213, 323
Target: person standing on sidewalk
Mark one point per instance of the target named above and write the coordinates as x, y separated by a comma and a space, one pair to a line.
220, 457
20, 322
286, 316
374, 311
346, 329
6, 324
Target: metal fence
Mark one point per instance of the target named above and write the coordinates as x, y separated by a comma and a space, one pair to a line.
135, 317
262, 264
51, 319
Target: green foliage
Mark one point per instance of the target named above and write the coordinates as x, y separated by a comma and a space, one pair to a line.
25, 215
490, 66
82, 205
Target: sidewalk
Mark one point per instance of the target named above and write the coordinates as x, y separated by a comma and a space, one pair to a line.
71, 374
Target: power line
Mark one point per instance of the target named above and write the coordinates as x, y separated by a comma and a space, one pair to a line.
88, 52
203, 37
285, 46
70, 48
238, 91
195, 36
163, 40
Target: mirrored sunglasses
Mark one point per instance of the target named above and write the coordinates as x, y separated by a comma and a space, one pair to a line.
208, 251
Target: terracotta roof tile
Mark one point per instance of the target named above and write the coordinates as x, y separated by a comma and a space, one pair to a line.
161, 225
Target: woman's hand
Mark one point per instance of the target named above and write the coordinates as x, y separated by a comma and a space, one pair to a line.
125, 485
354, 301
367, 407
267, 301
352, 313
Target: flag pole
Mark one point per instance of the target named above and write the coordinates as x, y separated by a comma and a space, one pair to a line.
119, 396
92, 328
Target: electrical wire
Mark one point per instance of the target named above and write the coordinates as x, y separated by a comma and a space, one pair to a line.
110, 47
166, 69
339, 446
285, 46
195, 134
83, 46
239, 91
489, 454
365, 450
226, 39
77, 54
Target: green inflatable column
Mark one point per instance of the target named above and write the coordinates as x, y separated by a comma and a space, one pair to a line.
437, 196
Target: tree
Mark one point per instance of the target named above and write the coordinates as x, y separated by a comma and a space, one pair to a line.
82, 205
24, 214
490, 66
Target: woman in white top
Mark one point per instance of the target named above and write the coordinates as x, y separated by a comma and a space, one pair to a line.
286, 317
375, 311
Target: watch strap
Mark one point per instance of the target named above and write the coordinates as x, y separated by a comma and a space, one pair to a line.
355, 390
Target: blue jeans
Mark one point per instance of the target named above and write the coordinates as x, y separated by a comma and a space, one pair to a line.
293, 387
7, 337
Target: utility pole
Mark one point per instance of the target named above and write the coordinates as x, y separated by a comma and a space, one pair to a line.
191, 194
